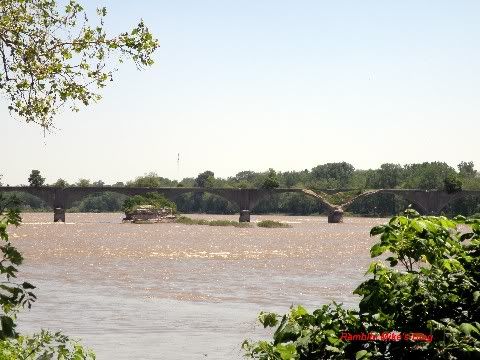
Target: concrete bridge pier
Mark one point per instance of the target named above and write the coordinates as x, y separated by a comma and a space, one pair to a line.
58, 215
335, 216
244, 216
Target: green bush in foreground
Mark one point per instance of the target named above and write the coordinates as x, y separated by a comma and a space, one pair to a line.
435, 292
272, 224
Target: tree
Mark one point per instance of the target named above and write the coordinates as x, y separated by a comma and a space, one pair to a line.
98, 183
35, 179
83, 183
152, 180
118, 184
61, 183
334, 175
466, 169
452, 183
205, 179
52, 55
387, 177
271, 180
427, 175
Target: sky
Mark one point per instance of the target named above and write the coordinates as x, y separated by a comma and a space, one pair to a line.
258, 84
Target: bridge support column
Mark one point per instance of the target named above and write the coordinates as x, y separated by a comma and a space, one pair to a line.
58, 215
244, 216
335, 216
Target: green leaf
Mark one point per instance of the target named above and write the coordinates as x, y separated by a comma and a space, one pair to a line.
377, 250
467, 329
362, 354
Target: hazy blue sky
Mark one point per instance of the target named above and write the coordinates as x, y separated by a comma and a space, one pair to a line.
254, 84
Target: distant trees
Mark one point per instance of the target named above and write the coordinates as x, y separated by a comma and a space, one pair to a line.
271, 180
61, 183
83, 183
333, 175
152, 180
205, 179
466, 169
35, 179
452, 183
426, 175
389, 176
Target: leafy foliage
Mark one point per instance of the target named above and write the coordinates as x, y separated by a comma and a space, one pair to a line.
156, 200
151, 180
452, 183
272, 224
51, 56
61, 183
45, 345
13, 295
189, 221
205, 179
271, 181
105, 201
437, 293
35, 179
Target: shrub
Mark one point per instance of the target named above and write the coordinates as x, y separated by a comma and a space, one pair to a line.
272, 224
189, 221
437, 293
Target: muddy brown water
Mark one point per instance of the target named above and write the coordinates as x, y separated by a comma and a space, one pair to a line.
170, 291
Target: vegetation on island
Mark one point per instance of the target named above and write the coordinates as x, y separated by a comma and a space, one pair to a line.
155, 200
189, 221
264, 223
272, 224
429, 285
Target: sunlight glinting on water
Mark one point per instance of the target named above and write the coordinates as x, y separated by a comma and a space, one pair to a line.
103, 280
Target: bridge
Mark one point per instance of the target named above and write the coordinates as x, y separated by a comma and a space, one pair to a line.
429, 202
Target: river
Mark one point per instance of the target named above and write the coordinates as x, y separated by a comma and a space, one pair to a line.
170, 291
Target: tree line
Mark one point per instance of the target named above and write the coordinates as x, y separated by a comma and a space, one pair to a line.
340, 175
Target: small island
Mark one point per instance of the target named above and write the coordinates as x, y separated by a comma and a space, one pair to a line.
149, 208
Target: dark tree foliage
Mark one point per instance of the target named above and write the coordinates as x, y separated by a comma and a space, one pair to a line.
452, 183
35, 179
271, 180
205, 179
